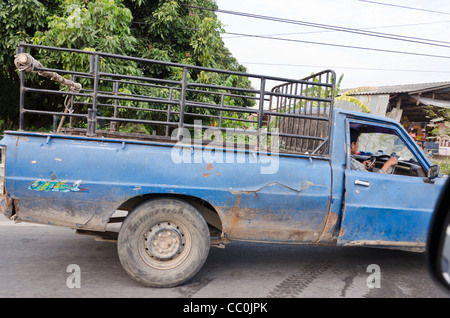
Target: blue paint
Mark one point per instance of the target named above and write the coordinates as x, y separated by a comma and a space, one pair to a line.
302, 202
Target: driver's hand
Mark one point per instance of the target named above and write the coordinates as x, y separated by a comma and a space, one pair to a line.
391, 162
367, 164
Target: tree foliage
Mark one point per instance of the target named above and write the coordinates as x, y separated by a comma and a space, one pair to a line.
167, 30
103, 25
19, 20
440, 122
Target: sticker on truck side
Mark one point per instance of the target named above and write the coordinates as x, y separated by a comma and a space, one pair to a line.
56, 186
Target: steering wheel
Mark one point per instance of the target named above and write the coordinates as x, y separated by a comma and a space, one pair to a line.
391, 169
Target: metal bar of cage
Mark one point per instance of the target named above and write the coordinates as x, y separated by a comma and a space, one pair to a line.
299, 109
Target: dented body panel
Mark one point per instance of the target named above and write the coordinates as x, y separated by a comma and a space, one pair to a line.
80, 182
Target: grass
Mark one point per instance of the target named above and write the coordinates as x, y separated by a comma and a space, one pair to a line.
443, 162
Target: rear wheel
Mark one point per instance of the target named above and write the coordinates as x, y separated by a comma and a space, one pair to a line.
163, 242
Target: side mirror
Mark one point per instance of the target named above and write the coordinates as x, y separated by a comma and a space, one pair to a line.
433, 172
438, 241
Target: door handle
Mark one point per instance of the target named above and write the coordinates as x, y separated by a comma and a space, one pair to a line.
362, 183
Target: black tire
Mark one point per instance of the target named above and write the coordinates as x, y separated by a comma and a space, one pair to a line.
163, 242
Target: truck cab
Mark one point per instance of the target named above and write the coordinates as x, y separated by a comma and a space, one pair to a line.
390, 209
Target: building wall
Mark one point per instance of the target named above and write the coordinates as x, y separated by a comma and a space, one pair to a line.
376, 103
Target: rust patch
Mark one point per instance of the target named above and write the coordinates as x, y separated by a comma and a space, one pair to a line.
209, 166
236, 217
330, 222
206, 175
328, 230
400, 245
341, 232
258, 225
8, 206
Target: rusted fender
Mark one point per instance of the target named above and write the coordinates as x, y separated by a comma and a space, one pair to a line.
8, 205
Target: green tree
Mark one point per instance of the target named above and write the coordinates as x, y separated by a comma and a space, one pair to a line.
165, 30
438, 115
19, 20
102, 25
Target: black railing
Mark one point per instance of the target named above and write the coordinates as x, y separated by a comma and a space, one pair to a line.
298, 112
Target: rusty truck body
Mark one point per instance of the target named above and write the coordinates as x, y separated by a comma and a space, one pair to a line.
211, 172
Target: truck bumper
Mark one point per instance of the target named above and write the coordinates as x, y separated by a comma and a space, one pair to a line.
8, 206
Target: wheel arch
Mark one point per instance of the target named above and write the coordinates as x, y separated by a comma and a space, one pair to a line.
208, 211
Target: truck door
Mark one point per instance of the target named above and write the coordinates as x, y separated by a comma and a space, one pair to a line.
392, 209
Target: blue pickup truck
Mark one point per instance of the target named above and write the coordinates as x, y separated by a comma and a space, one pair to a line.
278, 170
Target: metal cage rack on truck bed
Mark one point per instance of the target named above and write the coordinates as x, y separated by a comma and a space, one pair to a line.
297, 112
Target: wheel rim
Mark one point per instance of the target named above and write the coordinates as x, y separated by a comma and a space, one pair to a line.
164, 245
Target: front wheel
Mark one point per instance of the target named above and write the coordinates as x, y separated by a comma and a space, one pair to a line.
163, 242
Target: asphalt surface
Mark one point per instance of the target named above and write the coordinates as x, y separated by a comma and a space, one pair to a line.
39, 261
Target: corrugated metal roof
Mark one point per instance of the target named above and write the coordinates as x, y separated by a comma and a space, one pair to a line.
407, 88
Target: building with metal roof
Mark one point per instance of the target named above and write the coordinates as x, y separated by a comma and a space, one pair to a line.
401, 102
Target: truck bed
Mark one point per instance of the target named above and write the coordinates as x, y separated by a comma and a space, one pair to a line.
80, 182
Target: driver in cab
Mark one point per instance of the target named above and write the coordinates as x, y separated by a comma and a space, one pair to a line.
365, 165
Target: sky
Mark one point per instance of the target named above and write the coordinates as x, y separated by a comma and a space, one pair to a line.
360, 67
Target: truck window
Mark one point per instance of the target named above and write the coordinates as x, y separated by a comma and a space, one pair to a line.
377, 144
380, 143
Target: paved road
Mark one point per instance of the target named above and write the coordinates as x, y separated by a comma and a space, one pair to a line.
34, 262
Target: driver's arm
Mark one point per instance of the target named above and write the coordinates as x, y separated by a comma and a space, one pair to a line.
391, 162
